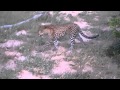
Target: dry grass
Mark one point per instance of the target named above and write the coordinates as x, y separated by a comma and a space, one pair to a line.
24, 55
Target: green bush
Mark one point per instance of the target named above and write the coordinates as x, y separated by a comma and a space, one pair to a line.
115, 23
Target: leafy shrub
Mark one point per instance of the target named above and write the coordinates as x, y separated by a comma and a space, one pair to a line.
113, 49
115, 23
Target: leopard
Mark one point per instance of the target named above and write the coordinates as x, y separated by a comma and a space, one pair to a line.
60, 30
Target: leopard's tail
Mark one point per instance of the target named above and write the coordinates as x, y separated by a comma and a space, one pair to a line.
89, 37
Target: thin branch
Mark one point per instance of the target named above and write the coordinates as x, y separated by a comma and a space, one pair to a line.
22, 22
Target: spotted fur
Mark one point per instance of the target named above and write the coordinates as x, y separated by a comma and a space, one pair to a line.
57, 31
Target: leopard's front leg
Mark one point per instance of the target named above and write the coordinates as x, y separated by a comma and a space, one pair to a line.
72, 42
55, 41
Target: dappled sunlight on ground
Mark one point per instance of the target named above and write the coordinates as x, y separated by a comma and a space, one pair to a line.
34, 53
73, 13
21, 58
45, 77
16, 55
10, 65
87, 68
13, 53
67, 19
67, 15
91, 12
96, 18
22, 32
54, 54
11, 44
61, 50
63, 67
51, 13
24, 74
45, 23
38, 70
60, 57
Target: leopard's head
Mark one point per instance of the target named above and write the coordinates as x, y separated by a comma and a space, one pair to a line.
43, 30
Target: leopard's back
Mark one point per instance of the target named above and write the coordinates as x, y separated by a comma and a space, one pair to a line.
57, 31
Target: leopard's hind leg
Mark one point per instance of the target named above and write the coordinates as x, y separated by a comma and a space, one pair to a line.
72, 42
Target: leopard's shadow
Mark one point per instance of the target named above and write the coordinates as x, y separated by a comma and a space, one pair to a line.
64, 44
